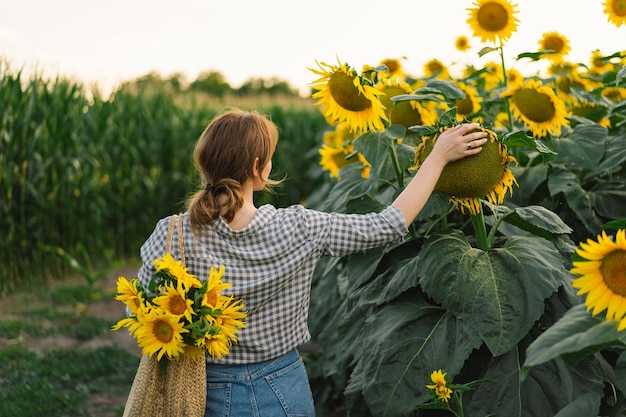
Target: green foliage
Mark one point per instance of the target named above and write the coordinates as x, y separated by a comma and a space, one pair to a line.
59, 383
84, 179
487, 298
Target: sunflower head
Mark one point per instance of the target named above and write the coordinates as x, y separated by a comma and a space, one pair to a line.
484, 175
615, 11
493, 20
347, 97
394, 68
538, 107
602, 275
470, 104
440, 386
160, 334
555, 42
462, 43
436, 69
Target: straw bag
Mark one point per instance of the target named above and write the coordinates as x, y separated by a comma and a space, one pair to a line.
180, 391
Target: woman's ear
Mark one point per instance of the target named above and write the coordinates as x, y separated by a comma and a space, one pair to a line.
256, 169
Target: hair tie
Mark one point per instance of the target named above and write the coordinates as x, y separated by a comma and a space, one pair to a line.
208, 187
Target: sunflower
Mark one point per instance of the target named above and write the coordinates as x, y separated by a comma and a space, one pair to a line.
129, 294
347, 97
555, 42
469, 105
603, 275
173, 299
467, 181
614, 94
178, 270
538, 107
215, 344
567, 84
213, 296
462, 43
407, 113
493, 20
436, 69
514, 77
492, 75
440, 385
599, 64
395, 69
160, 333
616, 11
231, 318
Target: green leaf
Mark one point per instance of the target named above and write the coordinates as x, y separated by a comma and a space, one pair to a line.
615, 225
417, 97
608, 199
375, 147
576, 335
450, 90
614, 157
499, 293
350, 187
584, 147
486, 50
537, 220
401, 275
403, 342
549, 388
519, 138
587, 405
562, 180
620, 372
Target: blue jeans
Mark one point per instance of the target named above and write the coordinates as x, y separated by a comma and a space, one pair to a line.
274, 388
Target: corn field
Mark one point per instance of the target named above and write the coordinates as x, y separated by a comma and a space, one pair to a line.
83, 179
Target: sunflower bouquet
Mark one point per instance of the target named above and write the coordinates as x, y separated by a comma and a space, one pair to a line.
180, 315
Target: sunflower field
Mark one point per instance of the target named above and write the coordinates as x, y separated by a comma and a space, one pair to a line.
508, 296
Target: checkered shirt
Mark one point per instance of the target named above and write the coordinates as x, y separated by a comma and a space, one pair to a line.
270, 263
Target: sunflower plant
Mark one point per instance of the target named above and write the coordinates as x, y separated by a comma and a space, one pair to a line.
178, 314
445, 395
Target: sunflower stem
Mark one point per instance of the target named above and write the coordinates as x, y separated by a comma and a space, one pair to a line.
505, 82
396, 164
618, 404
478, 221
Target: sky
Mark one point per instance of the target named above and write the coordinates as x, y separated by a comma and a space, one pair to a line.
102, 43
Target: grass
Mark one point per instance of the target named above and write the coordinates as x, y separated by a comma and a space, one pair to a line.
61, 382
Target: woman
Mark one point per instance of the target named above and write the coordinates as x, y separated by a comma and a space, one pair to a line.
269, 255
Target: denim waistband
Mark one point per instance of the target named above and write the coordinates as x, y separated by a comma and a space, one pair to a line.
252, 370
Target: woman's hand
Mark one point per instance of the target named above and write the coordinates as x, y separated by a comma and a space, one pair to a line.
456, 143
453, 144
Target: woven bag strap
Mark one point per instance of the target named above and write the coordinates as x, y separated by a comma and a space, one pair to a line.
170, 236
181, 242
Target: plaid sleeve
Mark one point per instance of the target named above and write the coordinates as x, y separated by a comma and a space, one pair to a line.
349, 233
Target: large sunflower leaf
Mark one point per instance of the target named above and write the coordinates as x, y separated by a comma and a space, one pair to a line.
396, 273
549, 388
562, 180
609, 199
537, 220
584, 147
403, 342
576, 335
350, 188
499, 293
614, 157
375, 148
587, 405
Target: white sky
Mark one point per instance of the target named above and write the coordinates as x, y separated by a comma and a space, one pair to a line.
104, 42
